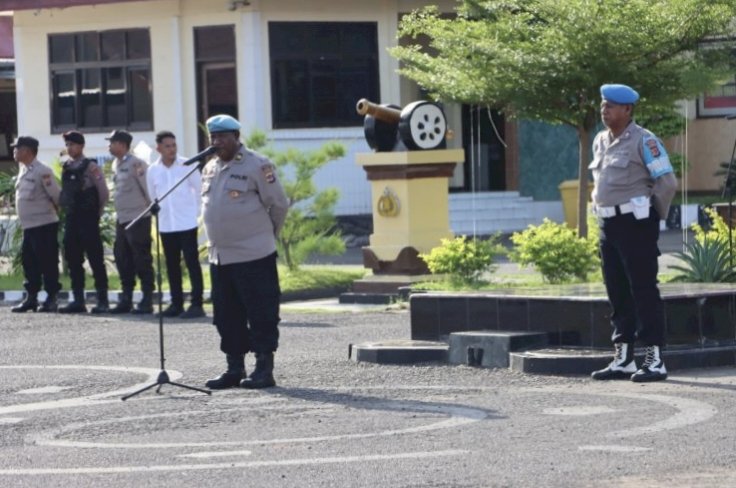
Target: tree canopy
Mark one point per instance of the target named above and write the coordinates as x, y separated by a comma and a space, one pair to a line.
546, 59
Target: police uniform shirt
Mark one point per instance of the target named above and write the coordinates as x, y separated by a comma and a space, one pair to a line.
631, 165
180, 209
92, 177
244, 207
36, 195
131, 192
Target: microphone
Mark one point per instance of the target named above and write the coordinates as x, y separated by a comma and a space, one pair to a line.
731, 117
199, 157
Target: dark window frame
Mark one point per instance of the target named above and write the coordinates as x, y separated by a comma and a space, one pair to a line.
128, 64
315, 69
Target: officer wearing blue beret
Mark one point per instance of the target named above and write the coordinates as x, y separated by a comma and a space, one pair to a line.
244, 207
634, 186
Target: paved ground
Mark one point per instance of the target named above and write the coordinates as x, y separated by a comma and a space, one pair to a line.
332, 422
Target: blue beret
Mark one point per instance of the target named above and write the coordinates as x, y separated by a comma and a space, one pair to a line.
222, 123
622, 94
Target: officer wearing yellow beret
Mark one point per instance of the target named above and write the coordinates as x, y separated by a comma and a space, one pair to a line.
634, 186
244, 207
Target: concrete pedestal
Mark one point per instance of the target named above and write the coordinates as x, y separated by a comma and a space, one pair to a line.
410, 207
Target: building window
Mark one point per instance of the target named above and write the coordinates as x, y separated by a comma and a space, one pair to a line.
319, 70
101, 80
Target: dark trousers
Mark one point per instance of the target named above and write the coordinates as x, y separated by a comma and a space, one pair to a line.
40, 258
82, 236
246, 297
629, 259
132, 251
175, 244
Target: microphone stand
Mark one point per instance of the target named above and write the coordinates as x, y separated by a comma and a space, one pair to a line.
153, 208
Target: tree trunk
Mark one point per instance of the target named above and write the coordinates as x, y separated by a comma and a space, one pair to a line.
583, 161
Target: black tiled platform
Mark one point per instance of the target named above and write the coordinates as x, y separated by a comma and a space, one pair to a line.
574, 315
585, 361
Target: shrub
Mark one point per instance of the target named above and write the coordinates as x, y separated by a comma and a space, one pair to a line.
463, 259
555, 251
706, 261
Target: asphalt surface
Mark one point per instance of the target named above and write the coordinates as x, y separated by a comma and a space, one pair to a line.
332, 422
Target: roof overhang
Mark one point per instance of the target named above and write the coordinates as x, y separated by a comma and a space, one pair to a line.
41, 4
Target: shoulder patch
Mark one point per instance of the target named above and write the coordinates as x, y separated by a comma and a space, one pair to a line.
46, 179
655, 157
269, 172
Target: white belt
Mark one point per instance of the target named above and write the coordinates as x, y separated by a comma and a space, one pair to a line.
606, 212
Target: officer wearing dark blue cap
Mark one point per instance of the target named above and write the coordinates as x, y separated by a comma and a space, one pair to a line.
37, 203
84, 194
634, 186
244, 207
132, 248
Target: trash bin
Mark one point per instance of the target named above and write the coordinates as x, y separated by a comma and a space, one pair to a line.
569, 193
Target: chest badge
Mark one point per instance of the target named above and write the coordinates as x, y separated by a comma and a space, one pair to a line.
234, 193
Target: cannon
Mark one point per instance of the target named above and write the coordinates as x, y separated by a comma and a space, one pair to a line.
419, 125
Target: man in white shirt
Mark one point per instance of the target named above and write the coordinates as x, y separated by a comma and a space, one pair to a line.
177, 223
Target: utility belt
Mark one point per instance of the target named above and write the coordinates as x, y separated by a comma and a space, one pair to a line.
639, 206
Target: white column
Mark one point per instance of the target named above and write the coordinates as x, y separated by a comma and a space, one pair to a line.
254, 106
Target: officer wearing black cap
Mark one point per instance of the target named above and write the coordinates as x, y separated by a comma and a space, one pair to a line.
37, 202
634, 186
132, 247
84, 194
244, 207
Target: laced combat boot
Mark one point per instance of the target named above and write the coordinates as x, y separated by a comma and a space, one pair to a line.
124, 304
29, 303
232, 376
653, 367
50, 304
103, 305
77, 305
262, 375
145, 306
622, 366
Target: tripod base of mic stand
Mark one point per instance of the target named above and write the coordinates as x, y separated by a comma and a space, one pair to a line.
163, 379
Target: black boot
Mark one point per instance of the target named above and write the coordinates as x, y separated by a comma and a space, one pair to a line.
145, 305
103, 306
262, 376
77, 305
50, 304
124, 304
622, 366
29, 303
230, 378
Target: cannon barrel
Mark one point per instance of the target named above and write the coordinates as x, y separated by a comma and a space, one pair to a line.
384, 114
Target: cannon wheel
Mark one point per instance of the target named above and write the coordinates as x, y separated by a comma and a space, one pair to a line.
380, 136
423, 126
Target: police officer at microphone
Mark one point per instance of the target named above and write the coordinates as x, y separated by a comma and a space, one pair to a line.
84, 194
634, 186
244, 207
37, 202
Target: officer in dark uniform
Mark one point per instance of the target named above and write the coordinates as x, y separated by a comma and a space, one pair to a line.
84, 194
132, 247
634, 186
37, 201
244, 207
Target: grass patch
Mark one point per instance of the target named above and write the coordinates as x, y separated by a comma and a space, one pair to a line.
307, 278
319, 277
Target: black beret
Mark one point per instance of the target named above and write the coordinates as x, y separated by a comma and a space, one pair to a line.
121, 136
26, 141
74, 136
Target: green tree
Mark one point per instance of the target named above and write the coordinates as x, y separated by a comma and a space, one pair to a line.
546, 59
310, 225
